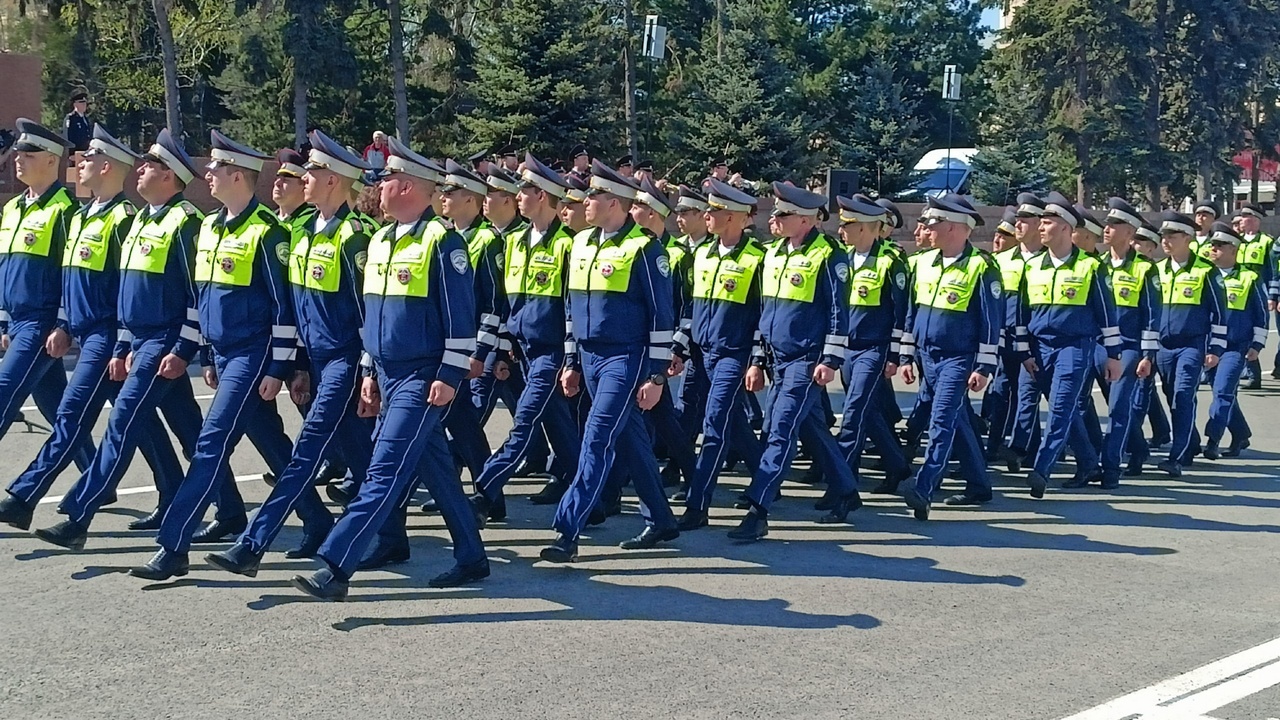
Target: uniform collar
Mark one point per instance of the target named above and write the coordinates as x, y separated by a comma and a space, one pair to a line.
103, 208
236, 222
552, 229
1046, 261
332, 223
301, 211
628, 228
1231, 271
964, 254
809, 238
1127, 261
427, 216
43, 198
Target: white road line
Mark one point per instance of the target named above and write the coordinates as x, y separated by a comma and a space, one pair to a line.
1189, 696
147, 489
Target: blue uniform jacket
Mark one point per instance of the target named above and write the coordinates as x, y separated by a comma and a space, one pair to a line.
1247, 328
794, 329
405, 335
31, 285
872, 326
329, 323
1188, 326
973, 331
515, 227
1064, 325
1139, 326
641, 317
538, 321
729, 328
490, 293
89, 297
162, 305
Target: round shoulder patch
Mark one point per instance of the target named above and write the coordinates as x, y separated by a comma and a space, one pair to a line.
362, 257
282, 253
459, 260
997, 290
664, 265
900, 280
499, 260
842, 271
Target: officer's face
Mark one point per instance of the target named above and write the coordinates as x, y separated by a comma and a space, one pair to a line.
287, 190
1054, 228
596, 206
1175, 243
574, 215
34, 168
1084, 239
1026, 229
529, 199
1118, 235
496, 202
1001, 242
858, 233
1249, 224
793, 225
691, 222
81, 106
1145, 247
1204, 219
457, 202
720, 172
220, 179
90, 169
316, 185
1222, 254
581, 162
642, 214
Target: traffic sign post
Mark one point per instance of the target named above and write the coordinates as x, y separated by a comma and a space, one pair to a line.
951, 93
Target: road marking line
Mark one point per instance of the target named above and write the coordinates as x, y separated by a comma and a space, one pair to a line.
1190, 695
146, 489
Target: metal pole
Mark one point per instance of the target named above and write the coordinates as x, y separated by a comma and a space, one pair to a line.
951, 115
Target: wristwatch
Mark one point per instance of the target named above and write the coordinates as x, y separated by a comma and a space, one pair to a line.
658, 379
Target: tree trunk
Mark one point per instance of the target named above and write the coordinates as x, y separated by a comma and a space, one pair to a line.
299, 105
719, 30
629, 77
169, 54
1152, 110
1204, 180
398, 71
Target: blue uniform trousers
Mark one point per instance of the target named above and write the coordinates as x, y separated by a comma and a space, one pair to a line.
666, 426
1224, 411
542, 408
1121, 413
486, 390
331, 422
724, 426
863, 372
87, 392
132, 418
999, 400
950, 423
28, 371
237, 408
410, 444
1180, 370
693, 393
918, 420
614, 433
795, 403
1026, 436
462, 420
1061, 378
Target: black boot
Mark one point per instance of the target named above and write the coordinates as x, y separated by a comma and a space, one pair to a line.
162, 566
754, 526
239, 559
15, 513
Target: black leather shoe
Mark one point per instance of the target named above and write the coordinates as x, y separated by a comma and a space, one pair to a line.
1161, 440
15, 513
269, 478
460, 575
597, 516
385, 556
1110, 482
1171, 467
840, 509
550, 493
918, 503
741, 502
329, 472
563, 550
649, 538
498, 509
692, 520
487, 510
339, 494
1235, 448
150, 522
219, 531
1275, 373
311, 542
430, 506
754, 526
965, 499
1037, 483
827, 501
162, 566
322, 585
1212, 451
112, 499
1080, 480
239, 559
68, 534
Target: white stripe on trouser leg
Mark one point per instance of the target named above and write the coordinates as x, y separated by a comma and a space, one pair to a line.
534, 426
727, 418
128, 426
610, 451
790, 445
81, 430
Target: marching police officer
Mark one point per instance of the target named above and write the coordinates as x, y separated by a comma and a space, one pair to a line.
620, 312
326, 276
1256, 254
1000, 398
288, 193
952, 325
805, 321
419, 333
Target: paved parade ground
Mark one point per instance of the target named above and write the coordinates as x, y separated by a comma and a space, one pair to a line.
1089, 604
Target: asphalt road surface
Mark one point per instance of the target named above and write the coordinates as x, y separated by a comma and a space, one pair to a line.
1158, 600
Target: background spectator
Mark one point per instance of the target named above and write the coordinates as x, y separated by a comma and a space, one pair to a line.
376, 153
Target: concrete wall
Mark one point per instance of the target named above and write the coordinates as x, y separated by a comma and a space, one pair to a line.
21, 92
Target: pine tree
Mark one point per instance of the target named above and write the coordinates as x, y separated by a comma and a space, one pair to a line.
876, 129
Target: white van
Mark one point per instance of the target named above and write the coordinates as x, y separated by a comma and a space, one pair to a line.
939, 172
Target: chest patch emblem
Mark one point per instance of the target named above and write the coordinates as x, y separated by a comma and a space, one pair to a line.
404, 276
606, 269
228, 265
797, 279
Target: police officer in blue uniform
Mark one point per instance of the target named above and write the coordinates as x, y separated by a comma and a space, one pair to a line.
953, 325
1193, 331
536, 270
877, 313
1147, 402
159, 336
725, 308
326, 276
90, 280
1246, 321
247, 317
419, 334
805, 322
1067, 310
691, 218
622, 328
999, 401
33, 235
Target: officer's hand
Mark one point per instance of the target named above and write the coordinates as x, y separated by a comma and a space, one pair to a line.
1112, 371
477, 369
501, 370
211, 377
1251, 356
370, 399
909, 374
648, 395
677, 366
569, 382
58, 343
1144, 368
1211, 361
1271, 305
977, 382
269, 388
441, 393
173, 367
116, 371
823, 374
300, 388
128, 363
4, 342
755, 379
890, 369
1031, 366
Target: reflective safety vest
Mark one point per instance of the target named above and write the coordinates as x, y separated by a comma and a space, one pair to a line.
950, 287
677, 251
1127, 281
605, 267
867, 282
146, 247
315, 262
479, 242
89, 239
1254, 254
401, 267
226, 258
537, 270
717, 277
1012, 266
1239, 286
1184, 286
792, 275
29, 229
1062, 285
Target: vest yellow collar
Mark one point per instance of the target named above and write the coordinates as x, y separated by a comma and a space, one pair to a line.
104, 208
233, 224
